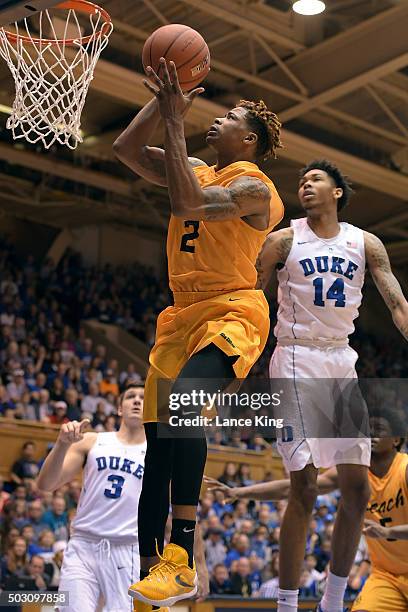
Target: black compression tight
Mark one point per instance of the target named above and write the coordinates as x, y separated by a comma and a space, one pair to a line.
178, 460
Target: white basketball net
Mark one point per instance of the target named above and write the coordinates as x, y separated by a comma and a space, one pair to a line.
52, 76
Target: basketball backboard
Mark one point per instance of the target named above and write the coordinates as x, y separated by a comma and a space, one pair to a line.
14, 10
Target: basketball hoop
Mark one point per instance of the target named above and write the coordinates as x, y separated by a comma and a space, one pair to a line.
52, 72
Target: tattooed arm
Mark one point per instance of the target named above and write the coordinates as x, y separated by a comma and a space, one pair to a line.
379, 265
274, 252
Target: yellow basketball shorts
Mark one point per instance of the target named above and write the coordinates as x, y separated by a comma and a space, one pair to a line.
383, 592
236, 322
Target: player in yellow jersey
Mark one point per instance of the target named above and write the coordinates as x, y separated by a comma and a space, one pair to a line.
219, 323
386, 524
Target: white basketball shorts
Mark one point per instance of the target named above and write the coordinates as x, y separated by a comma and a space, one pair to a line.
92, 570
318, 380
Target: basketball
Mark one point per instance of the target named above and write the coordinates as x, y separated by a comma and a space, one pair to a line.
182, 45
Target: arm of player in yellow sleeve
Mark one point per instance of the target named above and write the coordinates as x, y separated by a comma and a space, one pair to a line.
378, 532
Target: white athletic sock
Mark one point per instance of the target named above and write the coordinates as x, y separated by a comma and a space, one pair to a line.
287, 600
334, 594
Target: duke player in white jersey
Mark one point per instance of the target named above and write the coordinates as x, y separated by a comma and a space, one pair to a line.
102, 556
321, 265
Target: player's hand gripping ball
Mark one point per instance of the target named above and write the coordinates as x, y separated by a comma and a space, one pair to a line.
173, 103
182, 45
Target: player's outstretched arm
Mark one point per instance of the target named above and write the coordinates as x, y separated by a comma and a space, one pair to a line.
376, 531
67, 457
272, 491
246, 196
379, 265
275, 251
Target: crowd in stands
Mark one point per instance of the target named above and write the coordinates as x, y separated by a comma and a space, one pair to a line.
242, 543
51, 371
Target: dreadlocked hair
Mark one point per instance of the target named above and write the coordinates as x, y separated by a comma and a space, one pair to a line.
266, 125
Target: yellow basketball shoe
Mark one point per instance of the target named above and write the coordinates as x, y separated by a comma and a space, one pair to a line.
169, 581
139, 606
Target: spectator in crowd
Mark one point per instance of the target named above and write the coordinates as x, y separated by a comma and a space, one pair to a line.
220, 583
9, 534
111, 423
236, 442
73, 405
357, 577
20, 492
230, 475
241, 512
240, 581
216, 437
56, 518
36, 571
54, 567
259, 542
244, 475
215, 550
259, 444
129, 375
110, 404
307, 586
28, 533
17, 387
109, 384
42, 406
50, 446
15, 560
310, 565
206, 506
247, 527
92, 399
99, 418
18, 512
44, 548
60, 413
269, 588
73, 494
219, 505
240, 549
256, 565
26, 466
4, 496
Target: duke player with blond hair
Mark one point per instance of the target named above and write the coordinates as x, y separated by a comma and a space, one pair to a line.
102, 555
321, 265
